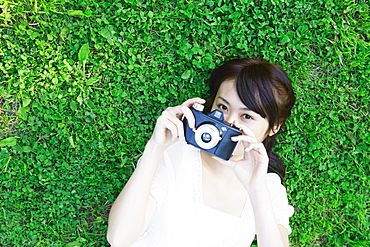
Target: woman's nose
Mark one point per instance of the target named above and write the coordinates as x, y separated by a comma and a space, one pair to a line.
230, 119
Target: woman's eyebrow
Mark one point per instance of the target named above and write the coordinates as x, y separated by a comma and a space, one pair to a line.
224, 100
227, 102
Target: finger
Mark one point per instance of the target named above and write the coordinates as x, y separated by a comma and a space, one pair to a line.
191, 101
260, 154
189, 116
176, 127
257, 147
245, 130
182, 110
243, 138
176, 111
246, 139
166, 124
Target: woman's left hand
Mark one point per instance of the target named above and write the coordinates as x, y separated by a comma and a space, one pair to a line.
251, 170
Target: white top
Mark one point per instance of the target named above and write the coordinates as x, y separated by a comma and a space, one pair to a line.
182, 219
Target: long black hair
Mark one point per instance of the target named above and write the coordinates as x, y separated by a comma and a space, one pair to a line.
264, 88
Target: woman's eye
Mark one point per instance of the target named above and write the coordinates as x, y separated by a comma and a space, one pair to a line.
222, 107
246, 116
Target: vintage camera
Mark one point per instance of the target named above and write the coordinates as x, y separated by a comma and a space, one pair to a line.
212, 134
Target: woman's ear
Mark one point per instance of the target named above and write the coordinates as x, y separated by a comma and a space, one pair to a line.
275, 130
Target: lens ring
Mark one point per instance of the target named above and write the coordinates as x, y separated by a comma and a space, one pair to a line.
213, 132
206, 137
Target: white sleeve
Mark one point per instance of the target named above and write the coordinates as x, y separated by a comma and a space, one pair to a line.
160, 185
164, 178
279, 200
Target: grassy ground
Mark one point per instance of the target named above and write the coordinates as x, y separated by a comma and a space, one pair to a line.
82, 81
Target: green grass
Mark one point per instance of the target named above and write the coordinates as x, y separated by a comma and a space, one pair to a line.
81, 83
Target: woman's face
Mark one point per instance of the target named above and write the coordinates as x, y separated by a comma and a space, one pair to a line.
228, 102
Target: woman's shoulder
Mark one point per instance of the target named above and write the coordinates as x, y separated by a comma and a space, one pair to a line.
274, 184
273, 178
279, 199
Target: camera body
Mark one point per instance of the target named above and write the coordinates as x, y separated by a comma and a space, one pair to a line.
212, 134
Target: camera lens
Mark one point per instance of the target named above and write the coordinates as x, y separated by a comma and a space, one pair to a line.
206, 137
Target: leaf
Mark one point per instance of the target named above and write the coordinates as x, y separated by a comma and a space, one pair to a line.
73, 106
186, 74
83, 53
8, 142
285, 39
26, 149
76, 13
26, 102
71, 141
22, 112
106, 33
79, 99
88, 12
69, 67
77, 243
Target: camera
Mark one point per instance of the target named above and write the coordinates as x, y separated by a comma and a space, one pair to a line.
212, 134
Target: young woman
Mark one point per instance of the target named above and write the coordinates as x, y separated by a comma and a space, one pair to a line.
182, 196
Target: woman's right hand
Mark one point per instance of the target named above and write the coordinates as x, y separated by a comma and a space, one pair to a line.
169, 127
